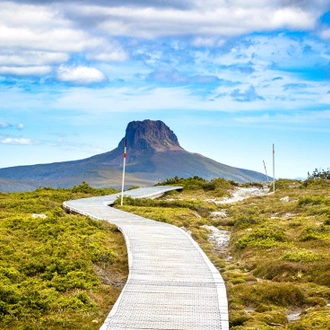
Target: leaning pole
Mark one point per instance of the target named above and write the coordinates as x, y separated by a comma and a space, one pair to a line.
123, 179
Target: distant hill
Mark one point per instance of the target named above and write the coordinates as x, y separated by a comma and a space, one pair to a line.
153, 154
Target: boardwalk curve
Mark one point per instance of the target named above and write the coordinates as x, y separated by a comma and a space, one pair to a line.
171, 284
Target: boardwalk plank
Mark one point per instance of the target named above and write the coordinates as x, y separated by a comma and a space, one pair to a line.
172, 285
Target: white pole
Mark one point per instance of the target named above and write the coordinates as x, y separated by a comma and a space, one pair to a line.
273, 168
123, 180
265, 171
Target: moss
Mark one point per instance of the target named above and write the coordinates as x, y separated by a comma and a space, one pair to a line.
238, 318
313, 318
279, 294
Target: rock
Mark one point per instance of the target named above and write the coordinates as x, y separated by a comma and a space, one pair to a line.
42, 216
285, 199
151, 135
219, 214
218, 238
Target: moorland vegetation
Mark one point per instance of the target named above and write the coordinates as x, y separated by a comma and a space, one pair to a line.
57, 270
66, 270
277, 266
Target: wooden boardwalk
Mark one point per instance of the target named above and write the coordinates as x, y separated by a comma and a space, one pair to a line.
172, 284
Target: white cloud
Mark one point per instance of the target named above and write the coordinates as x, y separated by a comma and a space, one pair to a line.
80, 74
4, 125
44, 34
208, 42
16, 14
222, 19
316, 118
109, 56
325, 33
27, 58
22, 141
293, 18
57, 40
25, 71
42, 28
109, 52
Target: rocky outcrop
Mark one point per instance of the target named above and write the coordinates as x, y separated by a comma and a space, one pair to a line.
149, 135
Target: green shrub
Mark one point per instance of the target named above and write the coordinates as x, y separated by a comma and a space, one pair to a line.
309, 234
191, 183
262, 236
313, 200
219, 186
270, 293
284, 184
244, 221
280, 271
302, 255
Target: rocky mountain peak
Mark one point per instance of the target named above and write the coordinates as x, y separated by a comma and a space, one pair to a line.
150, 135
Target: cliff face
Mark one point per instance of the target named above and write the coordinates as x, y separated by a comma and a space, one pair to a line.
149, 135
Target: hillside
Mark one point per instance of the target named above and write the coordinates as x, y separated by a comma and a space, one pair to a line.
65, 270
276, 266
153, 154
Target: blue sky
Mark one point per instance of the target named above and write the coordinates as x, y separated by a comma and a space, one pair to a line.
229, 77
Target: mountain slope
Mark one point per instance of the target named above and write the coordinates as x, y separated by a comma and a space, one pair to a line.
153, 154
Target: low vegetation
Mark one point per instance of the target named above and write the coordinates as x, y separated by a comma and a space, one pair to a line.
277, 267
65, 270
57, 270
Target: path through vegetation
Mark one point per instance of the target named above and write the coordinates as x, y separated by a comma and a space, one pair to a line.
171, 284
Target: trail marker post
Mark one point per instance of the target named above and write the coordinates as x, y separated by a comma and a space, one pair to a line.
123, 179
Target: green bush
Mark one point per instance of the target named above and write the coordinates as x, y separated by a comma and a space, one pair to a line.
191, 183
262, 236
308, 234
313, 200
270, 293
302, 255
284, 184
218, 185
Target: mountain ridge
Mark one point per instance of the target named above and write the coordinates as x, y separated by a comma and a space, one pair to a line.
153, 154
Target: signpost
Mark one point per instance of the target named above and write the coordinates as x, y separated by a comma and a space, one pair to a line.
123, 180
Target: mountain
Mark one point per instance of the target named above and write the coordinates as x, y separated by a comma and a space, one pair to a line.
153, 154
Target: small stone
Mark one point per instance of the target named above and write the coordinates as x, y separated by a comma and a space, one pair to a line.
219, 214
42, 216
